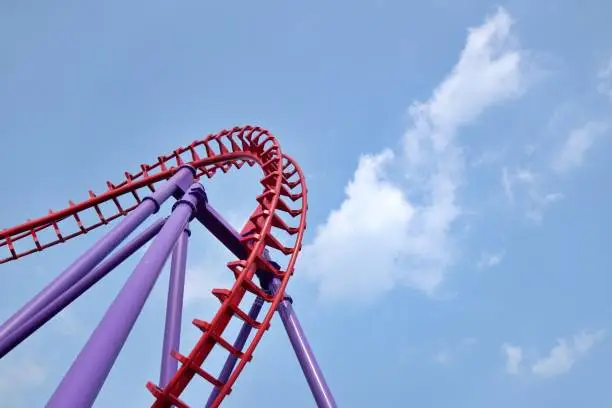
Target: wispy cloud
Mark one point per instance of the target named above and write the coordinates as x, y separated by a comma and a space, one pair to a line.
564, 355
409, 241
559, 360
514, 358
489, 260
571, 154
524, 188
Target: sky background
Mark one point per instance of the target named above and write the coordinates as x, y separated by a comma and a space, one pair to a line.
456, 157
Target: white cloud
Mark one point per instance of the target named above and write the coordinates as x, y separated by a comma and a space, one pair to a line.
489, 260
514, 358
576, 145
525, 187
379, 238
564, 355
540, 202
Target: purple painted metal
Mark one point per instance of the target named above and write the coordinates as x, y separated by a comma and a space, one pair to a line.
308, 362
24, 331
241, 339
99, 251
225, 233
174, 309
83, 381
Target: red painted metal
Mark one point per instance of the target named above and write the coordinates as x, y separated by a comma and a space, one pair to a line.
284, 190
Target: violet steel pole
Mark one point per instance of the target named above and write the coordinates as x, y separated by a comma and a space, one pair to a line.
83, 381
241, 340
174, 309
23, 332
100, 249
314, 376
212, 220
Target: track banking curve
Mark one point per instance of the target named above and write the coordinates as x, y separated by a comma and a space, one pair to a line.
281, 207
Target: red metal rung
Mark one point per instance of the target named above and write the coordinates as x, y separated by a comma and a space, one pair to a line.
56, 229
118, 205
35, 238
92, 195
136, 196
264, 264
192, 366
289, 175
162, 163
222, 147
221, 294
205, 327
269, 179
11, 247
251, 287
236, 265
201, 324
285, 191
158, 393
226, 345
247, 319
194, 154
281, 205
245, 145
235, 147
291, 184
276, 244
278, 222
77, 218
179, 159
209, 151
247, 239
269, 162
269, 149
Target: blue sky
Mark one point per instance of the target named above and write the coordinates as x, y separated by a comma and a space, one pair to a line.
456, 161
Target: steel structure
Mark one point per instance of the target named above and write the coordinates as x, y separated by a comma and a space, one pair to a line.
280, 211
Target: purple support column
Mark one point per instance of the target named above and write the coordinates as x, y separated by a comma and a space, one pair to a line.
314, 376
81, 384
174, 309
23, 332
231, 360
99, 251
318, 386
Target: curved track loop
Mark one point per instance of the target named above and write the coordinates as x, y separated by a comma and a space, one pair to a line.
284, 192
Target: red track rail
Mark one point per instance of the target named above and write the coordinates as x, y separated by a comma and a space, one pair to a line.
284, 192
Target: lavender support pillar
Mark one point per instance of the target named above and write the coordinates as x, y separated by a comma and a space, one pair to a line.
99, 251
81, 385
23, 332
231, 360
212, 220
174, 309
314, 376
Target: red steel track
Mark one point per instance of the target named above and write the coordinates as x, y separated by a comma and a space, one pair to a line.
284, 191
